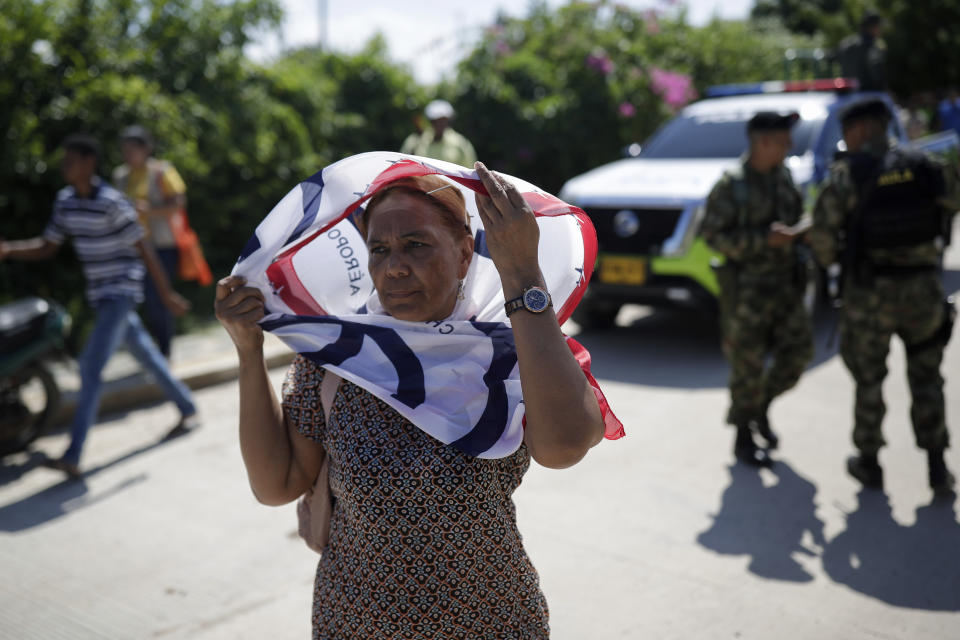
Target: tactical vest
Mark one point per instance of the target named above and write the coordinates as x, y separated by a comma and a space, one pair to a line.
901, 190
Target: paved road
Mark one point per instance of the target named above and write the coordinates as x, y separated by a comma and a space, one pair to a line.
657, 535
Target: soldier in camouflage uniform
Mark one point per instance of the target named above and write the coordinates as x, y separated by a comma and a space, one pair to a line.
881, 215
864, 55
753, 217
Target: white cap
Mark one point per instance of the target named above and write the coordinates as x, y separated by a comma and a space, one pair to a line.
438, 109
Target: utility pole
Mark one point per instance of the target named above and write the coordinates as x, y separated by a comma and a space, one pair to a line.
324, 38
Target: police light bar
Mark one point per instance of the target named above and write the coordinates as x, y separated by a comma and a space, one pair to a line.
780, 86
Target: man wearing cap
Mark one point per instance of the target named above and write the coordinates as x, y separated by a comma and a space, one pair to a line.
864, 55
754, 219
440, 140
109, 243
881, 215
158, 193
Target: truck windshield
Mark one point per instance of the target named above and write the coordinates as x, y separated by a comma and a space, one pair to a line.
717, 137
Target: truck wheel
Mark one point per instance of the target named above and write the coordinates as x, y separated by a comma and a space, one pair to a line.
29, 400
592, 315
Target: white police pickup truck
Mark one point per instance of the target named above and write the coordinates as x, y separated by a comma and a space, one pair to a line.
647, 209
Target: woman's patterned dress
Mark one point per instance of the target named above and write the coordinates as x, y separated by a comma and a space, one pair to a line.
424, 540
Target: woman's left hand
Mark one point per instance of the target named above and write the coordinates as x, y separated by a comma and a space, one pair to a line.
563, 418
513, 236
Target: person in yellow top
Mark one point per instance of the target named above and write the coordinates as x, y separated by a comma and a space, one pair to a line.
158, 193
440, 141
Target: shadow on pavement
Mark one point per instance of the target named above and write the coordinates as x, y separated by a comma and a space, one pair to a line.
677, 348
917, 566
14, 466
50, 504
66, 496
766, 523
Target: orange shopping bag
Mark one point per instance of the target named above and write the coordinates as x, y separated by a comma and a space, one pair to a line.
192, 265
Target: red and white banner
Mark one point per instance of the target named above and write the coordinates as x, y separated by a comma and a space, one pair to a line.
456, 379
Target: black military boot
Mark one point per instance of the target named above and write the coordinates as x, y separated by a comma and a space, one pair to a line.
747, 451
941, 480
865, 468
763, 428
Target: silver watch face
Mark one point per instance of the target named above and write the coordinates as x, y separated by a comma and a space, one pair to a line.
536, 299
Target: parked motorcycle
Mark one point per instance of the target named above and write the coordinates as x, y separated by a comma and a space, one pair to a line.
32, 332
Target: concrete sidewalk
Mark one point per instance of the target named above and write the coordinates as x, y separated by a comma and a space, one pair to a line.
200, 359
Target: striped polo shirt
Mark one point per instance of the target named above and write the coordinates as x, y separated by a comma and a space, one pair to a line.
104, 230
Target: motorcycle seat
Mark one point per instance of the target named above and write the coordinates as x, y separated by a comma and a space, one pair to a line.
22, 321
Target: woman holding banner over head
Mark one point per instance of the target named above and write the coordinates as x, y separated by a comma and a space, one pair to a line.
454, 374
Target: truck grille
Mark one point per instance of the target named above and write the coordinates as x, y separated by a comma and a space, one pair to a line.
652, 228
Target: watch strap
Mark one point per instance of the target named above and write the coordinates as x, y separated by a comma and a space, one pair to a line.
513, 305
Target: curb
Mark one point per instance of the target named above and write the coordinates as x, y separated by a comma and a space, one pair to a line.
137, 390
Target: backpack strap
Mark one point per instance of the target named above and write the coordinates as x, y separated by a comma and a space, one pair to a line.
315, 507
738, 184
328, 392
740, 191
156, 169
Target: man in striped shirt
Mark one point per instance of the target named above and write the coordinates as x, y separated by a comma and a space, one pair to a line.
108, 240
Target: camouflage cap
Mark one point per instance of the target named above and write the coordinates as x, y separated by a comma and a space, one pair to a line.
873, 108
772, 121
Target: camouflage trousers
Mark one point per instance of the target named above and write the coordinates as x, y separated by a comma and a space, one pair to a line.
912, 308
768, 341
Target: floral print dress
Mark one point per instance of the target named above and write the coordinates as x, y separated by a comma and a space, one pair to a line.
424, 540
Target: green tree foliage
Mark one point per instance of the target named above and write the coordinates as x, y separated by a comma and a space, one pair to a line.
834, 19
353, 103
240, 134
924, 45
559, 92
923, 42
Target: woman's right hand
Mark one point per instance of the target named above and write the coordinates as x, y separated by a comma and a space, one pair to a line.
238, 308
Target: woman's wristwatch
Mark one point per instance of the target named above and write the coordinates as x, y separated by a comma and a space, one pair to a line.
533, 299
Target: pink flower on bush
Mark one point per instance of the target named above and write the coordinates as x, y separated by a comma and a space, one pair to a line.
676, 89
600, 61
626, 109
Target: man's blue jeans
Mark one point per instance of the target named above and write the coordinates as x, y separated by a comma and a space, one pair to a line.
116, 322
